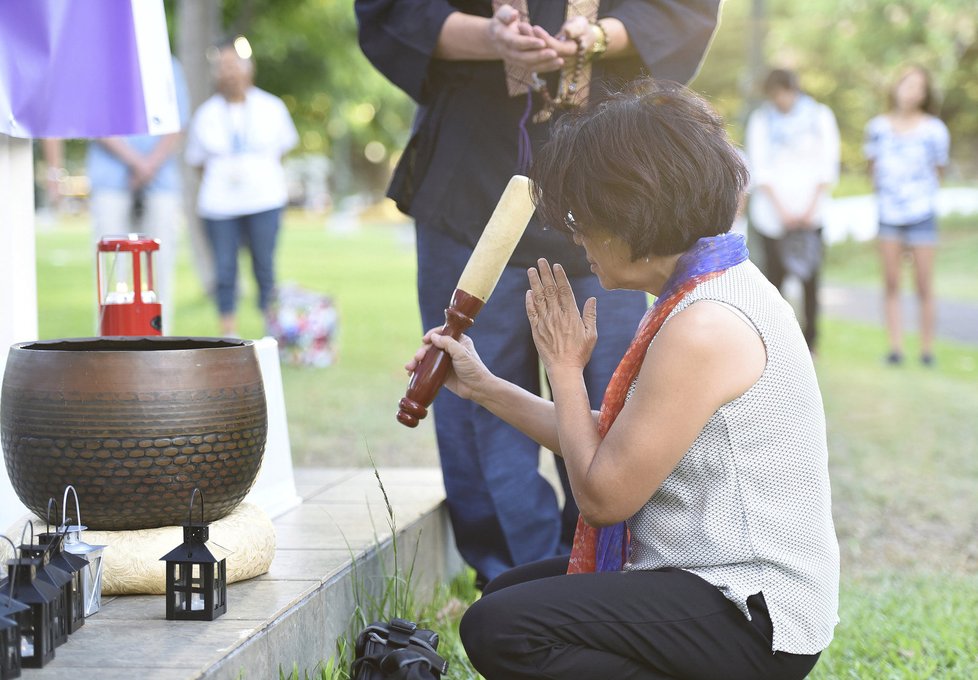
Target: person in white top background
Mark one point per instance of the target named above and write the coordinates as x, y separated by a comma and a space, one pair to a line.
907, 148
238, 138
793, 150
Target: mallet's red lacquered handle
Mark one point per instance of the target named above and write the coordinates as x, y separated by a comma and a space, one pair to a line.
433, 369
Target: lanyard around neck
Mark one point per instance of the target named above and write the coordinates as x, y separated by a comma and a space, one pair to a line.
238, 133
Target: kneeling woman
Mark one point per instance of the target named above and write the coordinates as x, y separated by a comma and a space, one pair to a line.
706, 547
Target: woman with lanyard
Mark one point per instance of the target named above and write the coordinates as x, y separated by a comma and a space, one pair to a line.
706, 547
238, 138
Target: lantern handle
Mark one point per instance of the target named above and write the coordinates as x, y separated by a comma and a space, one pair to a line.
64, 506
22, 531
196, 492
13, 572
47, 524
47, 520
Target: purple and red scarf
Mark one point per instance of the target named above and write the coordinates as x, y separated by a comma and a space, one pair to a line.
606, 549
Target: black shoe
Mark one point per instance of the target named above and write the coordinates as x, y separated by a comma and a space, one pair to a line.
894, 359
927, 360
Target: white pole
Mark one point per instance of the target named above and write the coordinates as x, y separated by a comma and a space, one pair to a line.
18, 274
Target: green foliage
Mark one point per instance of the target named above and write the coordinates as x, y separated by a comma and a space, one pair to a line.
847, 52
442, 614
858, 263
393, 595
852, 52
307, 53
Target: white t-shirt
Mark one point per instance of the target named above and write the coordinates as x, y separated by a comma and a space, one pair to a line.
792, 153
240, 146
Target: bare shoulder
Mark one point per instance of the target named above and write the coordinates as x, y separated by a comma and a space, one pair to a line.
708, 326
711, 342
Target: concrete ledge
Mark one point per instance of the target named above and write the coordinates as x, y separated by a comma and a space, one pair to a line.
295, 612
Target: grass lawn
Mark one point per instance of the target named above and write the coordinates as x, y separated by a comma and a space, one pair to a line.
858, 264
903, 442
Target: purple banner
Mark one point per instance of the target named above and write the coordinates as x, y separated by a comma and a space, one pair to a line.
70, 68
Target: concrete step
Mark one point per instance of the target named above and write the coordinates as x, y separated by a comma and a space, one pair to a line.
296, 612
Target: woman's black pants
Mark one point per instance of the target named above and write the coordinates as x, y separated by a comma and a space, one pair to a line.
536, 622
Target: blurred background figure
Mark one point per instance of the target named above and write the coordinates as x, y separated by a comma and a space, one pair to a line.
907, 148
237, 138
136, 188
793, 149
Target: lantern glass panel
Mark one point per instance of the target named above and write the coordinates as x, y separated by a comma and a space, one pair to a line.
180, 600
180, 574
117, 283
218, 598
92, 583
77, 596
54, 633
146, 275
9, 648
59, 623
92, 572
27, 630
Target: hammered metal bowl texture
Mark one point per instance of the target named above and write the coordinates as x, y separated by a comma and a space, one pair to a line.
134, 425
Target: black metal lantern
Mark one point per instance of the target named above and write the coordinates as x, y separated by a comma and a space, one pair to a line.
92, 554
196, 579
52, 576
74, 567
10, 661
56, 577
9, 648
37, 625
71, 564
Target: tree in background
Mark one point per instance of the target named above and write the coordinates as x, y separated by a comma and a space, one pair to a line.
306, 52
847, 51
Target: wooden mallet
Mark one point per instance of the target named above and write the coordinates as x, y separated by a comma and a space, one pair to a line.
479, 278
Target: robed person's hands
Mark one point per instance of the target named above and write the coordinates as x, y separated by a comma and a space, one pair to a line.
517, 42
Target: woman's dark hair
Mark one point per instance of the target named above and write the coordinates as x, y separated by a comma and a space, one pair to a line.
781, 79
929, 105
652, 166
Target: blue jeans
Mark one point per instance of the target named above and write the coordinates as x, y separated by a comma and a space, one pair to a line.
503, 512
259, 232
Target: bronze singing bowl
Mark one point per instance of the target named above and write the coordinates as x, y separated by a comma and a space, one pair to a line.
134, 424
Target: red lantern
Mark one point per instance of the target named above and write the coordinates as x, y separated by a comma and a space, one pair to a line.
128, 303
